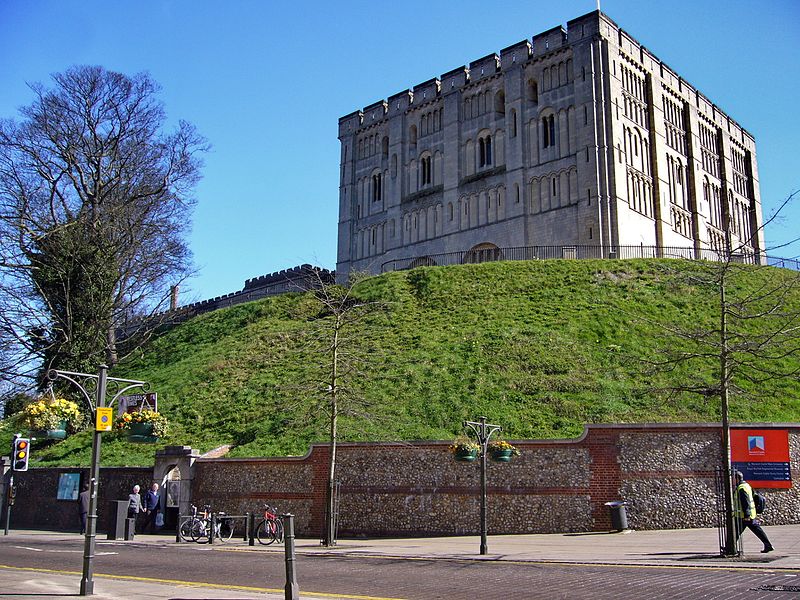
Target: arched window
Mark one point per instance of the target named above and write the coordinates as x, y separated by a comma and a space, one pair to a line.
377, 187
425, 170
385, 146
485, 150
548, 131
513, 122
500, 102
412, 135
533, 91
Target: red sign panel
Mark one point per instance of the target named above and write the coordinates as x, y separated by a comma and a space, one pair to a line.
762, 455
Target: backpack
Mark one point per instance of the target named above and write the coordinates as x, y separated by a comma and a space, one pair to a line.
760, 502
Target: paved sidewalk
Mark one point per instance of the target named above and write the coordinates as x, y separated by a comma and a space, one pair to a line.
684, 547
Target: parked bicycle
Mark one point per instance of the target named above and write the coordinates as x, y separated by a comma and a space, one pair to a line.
198, 526
270, 530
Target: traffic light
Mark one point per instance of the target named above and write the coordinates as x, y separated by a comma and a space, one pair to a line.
19, 459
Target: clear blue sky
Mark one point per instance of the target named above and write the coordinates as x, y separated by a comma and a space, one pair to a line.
266, 82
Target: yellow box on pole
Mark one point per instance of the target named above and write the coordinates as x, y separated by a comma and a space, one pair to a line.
105, 419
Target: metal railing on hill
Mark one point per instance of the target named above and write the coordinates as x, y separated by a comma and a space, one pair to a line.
577, 252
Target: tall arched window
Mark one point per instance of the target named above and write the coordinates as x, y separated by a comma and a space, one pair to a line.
425, 170
484, 150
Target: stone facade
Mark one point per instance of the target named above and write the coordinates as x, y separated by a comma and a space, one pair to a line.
666, 474
578, 137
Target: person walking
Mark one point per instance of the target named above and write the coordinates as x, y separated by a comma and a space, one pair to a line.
746, 513
83, 506
152, 507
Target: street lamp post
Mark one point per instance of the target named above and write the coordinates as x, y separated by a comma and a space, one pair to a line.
483, 431
84, 382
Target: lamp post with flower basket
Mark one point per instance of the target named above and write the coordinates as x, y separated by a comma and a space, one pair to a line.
94, 389
498, 450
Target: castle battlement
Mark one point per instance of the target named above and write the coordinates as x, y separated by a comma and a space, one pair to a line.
539, 48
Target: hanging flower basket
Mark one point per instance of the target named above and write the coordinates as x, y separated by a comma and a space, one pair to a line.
50, 418
502, 451
142, 427
464, 450
59, 432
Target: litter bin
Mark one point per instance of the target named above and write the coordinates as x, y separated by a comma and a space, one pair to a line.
116, 524
619, 518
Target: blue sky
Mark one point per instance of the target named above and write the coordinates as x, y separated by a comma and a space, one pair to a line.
267, 81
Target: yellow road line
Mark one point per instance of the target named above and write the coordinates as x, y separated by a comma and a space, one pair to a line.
195, 584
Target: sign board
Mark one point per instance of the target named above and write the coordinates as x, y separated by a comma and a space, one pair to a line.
104, 419
762, 455
136, 402
68, 486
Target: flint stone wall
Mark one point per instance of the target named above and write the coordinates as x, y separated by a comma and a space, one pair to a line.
666, 474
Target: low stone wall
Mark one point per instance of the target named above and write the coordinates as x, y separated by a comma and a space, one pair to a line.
665, 473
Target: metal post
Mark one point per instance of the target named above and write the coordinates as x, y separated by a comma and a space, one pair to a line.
9, 488
247, 525
87, 583
251, 529
483, 431
484, 541
213, 524
292, 591
81, 380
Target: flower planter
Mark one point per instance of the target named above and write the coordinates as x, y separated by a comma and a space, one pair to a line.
59, 433
501, 455
465, 455
141, 433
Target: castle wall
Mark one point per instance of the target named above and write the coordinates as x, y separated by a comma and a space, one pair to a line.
579, 136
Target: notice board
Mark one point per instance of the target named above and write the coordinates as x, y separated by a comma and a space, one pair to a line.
762, 455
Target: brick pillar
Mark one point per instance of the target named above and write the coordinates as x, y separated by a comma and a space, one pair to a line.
606, 479
320, 455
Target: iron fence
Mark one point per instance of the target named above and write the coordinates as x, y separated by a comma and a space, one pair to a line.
580, 252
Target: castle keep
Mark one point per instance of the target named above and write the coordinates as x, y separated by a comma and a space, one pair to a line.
580, 137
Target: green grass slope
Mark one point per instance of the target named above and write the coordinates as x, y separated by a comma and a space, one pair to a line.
540, 348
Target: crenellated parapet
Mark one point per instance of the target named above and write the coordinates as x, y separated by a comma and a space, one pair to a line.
540, 46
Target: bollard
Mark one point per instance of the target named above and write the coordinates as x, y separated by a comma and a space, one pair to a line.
178, 530
246, 526
251, 529
213, 522
292, 591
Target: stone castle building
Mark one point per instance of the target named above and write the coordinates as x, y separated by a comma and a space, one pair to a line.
580, 138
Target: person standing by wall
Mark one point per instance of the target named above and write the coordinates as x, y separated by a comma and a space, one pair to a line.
83, 506
746, 512
152, 507
134, 503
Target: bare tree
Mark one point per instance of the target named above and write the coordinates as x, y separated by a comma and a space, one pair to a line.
756, 337
95, 201
341, 359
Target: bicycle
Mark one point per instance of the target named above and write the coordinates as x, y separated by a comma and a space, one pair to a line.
190, 523
199, 526
270, 530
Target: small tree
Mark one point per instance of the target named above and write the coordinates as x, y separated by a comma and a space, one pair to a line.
342, 358
94, 204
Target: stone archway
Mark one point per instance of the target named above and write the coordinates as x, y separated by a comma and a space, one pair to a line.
485, 252
174, 471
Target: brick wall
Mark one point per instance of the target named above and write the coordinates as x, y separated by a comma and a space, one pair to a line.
665, 473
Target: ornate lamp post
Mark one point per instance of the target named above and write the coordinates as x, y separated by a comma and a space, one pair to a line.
99, 383
483, 431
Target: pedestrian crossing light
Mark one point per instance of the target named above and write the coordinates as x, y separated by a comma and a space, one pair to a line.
19, 461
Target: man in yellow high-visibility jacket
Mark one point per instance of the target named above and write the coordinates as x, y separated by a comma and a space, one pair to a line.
746, 512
